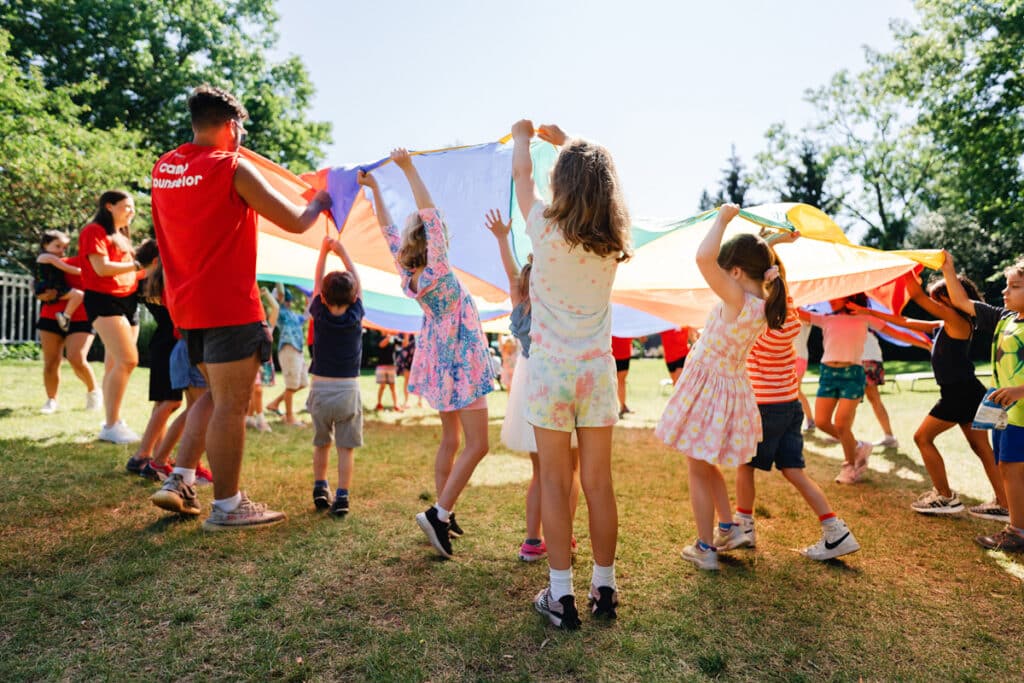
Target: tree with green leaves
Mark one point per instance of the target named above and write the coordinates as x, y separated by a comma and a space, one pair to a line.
52, 167
140, 60
962, 66
733, 187
795, 171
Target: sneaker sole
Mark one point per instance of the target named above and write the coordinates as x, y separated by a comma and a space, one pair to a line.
938, 512
556, 620
214, 527
165, 500
993, 517
531, 558
833, 555
424, 524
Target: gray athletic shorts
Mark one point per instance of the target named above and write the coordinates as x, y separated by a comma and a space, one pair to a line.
337, 410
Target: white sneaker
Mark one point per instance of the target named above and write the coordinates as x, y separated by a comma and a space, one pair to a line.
888, 442
94, 400
836, 540
934, 503
50, 407
702, 559
740, 535
118, 433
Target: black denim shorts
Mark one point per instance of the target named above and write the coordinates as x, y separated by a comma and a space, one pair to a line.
227, 344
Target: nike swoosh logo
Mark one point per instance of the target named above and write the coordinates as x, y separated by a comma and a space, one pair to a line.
832, 546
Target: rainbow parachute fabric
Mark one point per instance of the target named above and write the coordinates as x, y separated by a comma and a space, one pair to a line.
659, 288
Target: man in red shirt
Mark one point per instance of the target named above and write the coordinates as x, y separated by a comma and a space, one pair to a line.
205, 201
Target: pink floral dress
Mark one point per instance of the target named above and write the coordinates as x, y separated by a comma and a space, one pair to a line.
712, 415
451, 368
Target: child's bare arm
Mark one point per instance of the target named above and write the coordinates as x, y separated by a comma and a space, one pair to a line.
957, 294
419, 191
338, 248
728, 290
926, 326
368, 180
321, 265
58, 263
500, 230
522, 166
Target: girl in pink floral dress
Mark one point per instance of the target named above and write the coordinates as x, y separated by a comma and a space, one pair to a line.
452, 367
712, 416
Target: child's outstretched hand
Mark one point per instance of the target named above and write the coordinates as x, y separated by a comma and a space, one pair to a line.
549, 132
522, 129
400, 155
726, 212
366, 179
325, 245
498, 228
857, 309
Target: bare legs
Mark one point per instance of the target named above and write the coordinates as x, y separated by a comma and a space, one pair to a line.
924, 438
120, 358
231, 385
450, 474
834, 416
708, 495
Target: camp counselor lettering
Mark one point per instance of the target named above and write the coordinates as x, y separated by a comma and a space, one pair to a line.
175, 170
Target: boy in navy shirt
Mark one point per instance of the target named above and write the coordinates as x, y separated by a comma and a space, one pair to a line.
336, 308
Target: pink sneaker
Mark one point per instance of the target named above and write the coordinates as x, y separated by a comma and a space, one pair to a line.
532, 553
847, 475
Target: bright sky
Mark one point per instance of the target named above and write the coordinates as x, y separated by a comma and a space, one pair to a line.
666, 86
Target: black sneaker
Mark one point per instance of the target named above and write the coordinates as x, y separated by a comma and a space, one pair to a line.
602, 605
561, 613
339, 508
135, 465
322, 498
454, 530
436, 531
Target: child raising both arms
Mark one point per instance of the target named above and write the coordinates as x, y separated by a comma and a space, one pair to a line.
452, 367
1007, 327
712, 416
516, 433
578, 242
336, 308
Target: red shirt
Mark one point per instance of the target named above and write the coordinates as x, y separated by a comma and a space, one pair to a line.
50, 310
622, 347
207, 237
95, 240
675, 343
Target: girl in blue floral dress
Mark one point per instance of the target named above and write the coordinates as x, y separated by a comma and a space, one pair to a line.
452, 368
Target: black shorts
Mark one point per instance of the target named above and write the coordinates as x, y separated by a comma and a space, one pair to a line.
783, 442
958, 401
621, 365
50, 325
228, 344
160, 388
677, 364
100, 305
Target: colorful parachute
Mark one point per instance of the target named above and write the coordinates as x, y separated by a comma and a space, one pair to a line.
660, 287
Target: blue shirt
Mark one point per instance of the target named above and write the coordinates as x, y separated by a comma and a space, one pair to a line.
337, 340
290, 324
519, 325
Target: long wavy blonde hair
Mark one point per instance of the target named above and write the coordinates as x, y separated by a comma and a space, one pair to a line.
587, 202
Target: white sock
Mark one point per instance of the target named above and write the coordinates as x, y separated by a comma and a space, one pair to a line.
561, 582
188, 476
228, 504
442, 514
603, 576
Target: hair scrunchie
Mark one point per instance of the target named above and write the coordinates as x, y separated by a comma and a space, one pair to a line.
771, 274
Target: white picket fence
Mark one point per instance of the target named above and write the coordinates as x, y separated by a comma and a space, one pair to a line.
19, 309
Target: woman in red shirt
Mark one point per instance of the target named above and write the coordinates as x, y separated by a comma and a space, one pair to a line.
77, 339
110, 278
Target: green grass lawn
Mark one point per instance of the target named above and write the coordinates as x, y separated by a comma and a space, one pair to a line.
97, 584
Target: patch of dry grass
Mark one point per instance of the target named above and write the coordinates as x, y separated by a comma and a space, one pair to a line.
98, 584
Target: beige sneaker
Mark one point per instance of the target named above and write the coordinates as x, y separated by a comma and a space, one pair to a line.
247, 515
702, 559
